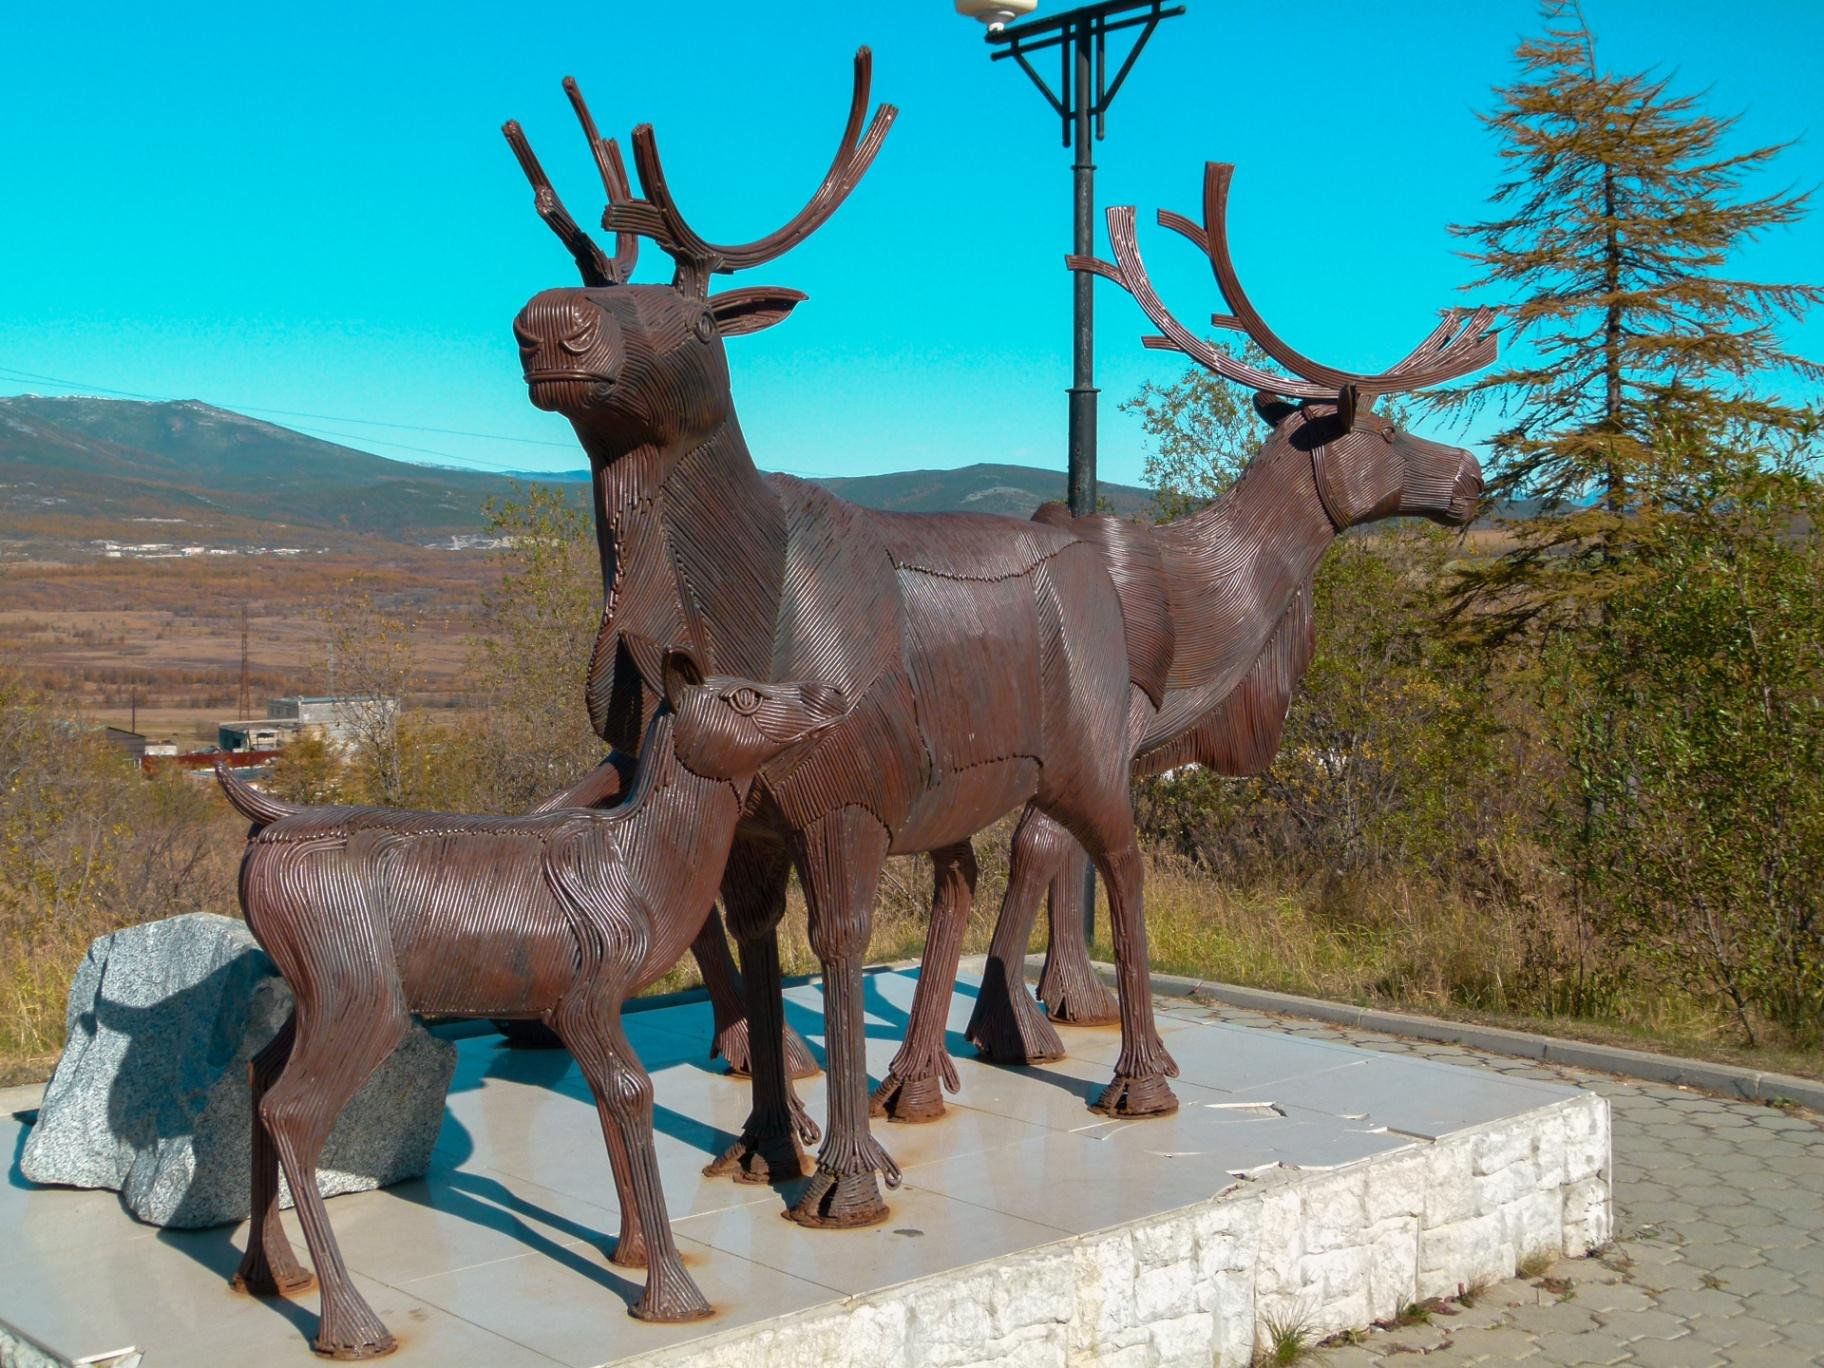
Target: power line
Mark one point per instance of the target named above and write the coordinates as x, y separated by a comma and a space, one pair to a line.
15, 373
84, 387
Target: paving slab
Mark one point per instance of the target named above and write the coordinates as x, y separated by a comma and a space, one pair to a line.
1297, 1176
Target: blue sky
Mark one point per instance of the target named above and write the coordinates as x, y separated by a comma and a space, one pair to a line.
311, 210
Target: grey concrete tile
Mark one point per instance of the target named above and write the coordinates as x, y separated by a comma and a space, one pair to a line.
1676, 1353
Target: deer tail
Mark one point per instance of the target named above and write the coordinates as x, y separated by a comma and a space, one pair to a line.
255, 806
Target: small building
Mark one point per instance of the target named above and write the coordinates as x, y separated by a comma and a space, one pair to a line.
341, 719
255, 734
131, 743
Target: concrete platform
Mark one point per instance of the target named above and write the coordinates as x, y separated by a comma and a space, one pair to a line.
1300, 1181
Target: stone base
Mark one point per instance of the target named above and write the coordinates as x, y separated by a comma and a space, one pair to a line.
1300, 1182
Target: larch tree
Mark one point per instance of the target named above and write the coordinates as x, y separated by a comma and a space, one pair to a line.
1621, 208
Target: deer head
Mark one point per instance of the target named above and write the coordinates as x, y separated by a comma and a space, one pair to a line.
1365, 467
643, 365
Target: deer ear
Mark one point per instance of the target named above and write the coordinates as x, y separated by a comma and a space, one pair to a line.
680, 671
746, 311
1273, 409
1347, 400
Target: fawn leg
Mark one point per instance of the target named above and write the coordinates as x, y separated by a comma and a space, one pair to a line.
623, 1100
769, 1148
630, 1244
268, 1268
839, 860
340, 1041
727, 999
1007, 1025
1068, 986
911, 1090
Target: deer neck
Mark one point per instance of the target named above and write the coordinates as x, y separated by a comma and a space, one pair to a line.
672, 833
1235, 566
692, 541
1277, 520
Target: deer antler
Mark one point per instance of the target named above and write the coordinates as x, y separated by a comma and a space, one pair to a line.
614, 179
596, 268
1459, 344
657, 216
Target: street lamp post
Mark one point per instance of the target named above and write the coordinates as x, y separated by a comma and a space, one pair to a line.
1081, 100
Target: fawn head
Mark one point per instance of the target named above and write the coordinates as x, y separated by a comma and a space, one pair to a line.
726, 727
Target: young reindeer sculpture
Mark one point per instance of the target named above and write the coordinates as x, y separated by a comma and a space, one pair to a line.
1222, 597
372, 914
982, 654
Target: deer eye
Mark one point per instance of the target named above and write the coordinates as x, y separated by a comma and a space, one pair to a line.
1387, 435
579, 342
706, 326
743, 700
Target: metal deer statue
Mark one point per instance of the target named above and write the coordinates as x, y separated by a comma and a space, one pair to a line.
1224, 596
372, 914
981, 655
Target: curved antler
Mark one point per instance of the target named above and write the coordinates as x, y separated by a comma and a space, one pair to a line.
658, 217
1457, 345
614, 180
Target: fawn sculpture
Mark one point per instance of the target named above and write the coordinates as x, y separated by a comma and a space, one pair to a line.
372, 914
981, 654
1227, 608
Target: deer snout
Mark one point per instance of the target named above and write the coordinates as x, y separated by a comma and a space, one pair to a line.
568, 348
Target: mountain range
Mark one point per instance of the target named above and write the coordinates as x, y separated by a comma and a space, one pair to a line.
79, 475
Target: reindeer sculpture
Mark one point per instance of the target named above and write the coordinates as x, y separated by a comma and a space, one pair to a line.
980, 653
1233, 623
372, 914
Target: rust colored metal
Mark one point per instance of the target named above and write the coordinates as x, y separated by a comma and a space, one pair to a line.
977, 650
372, 914
1222, 598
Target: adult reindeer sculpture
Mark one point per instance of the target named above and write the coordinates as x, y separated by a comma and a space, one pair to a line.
981, 654
1234, 623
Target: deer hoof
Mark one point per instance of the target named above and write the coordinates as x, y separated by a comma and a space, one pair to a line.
912, 1100
1134, 1097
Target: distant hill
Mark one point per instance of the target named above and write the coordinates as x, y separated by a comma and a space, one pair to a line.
1012, 490
78, 472
75, 470
1009, 489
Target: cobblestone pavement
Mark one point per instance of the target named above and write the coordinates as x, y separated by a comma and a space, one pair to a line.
1719, 1249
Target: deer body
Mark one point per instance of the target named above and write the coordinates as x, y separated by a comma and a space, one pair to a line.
373, 913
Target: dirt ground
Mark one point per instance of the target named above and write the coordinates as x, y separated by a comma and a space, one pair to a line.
158, 643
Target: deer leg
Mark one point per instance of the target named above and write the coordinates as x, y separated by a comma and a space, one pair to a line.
839, 861
591, 1028
340, 1042
1139, 1087
630, 1245
268, 1268
913, 1087
769, 1148
727, 999
1070, 989
1007, 1025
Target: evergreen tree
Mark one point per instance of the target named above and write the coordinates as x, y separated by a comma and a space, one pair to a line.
1621, 209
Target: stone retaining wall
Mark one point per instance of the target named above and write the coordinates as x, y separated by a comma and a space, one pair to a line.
1324, 1251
